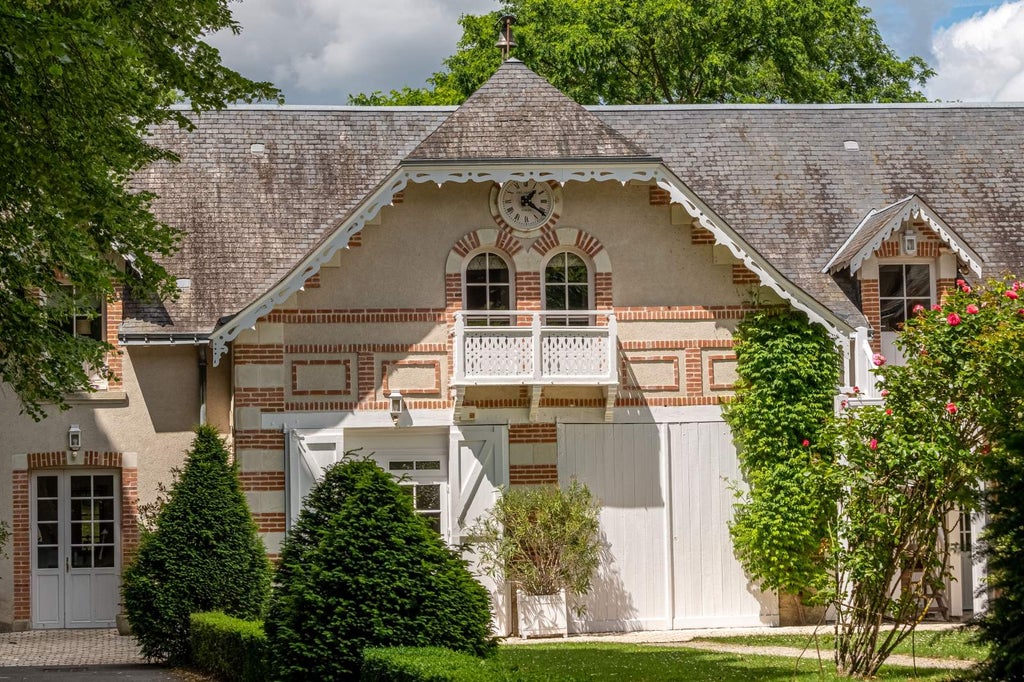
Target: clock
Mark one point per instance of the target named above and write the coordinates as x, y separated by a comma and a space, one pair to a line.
526, 206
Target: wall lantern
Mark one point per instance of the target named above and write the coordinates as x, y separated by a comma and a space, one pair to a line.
910, 243
397, 405
75, 438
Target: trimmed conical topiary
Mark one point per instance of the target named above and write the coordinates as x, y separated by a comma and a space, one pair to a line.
361, 569
203, 554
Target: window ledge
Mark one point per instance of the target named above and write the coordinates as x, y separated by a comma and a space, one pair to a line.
98, 398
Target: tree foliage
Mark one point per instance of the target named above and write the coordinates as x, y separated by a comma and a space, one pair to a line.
80, 84
360, 569
683, 51
204, 555
788, 370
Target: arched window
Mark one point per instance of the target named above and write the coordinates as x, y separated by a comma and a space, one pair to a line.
567, 287
488, 286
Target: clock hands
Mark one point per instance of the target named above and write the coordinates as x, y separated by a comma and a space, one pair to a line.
527, 200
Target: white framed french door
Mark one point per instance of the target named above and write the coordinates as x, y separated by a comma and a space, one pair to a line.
75, 548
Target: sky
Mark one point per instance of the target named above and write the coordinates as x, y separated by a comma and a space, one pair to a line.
320, 51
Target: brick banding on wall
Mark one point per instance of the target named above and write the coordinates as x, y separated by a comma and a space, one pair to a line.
657, 196
259, 439
701, 237
714, 384
269, 522
740, 275
357, 316
342, 390
628, 381
261, 480
258, 354
684, 312
386, 365
532, 433
532, 474
269, 397
871, 307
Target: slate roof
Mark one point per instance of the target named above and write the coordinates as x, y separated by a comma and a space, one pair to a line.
517, 115
779, 175
873, 223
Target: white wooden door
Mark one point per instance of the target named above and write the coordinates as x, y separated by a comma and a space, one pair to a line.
76, 567
666, 502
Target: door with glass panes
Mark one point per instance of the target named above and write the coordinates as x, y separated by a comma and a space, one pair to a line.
901, 288
76, 564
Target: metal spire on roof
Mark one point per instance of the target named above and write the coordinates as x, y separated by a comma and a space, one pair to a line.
505, 40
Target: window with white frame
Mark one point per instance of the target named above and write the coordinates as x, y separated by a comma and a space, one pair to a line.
425, 478
900, 288
487, 286
567, 287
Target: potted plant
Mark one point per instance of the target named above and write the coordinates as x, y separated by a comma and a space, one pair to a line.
544, 542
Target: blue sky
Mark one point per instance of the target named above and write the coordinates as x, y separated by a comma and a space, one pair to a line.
319, 51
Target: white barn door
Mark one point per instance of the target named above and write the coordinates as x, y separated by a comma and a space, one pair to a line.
666, 502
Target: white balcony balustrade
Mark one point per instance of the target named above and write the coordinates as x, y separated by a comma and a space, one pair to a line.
577, 348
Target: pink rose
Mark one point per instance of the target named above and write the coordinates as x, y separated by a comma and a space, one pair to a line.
885, 392
844, 404
878, 359
965, 289
951, 408
961, 283
1017, 285
972, 309
888, 412
806, 443
1010, 293
936, 306
953, 319
917, 309
856, 390
873, 444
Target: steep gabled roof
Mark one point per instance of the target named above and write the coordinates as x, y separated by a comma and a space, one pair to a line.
879, 225
519, 116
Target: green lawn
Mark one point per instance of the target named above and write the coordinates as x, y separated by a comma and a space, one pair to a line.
640, 663
948, 644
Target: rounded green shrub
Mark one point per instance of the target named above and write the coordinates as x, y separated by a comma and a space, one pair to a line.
361, 569
203, 554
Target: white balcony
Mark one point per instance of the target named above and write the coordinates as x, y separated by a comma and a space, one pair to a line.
535, 348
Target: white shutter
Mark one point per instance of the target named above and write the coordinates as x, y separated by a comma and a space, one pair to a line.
478, 469
309, 452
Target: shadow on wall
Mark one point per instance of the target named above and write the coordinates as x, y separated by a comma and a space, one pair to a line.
168, 378
609, 595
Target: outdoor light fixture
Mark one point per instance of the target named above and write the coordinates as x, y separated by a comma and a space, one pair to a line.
74, 438
397, 405
910, 243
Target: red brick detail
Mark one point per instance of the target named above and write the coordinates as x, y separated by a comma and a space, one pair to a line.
602, 290
658, 197
269, 522
532, 433
385, 365
508, 242
114, 314
313, 282
675, 344
368, 405
527, 292
366, 381
360, 316
398, 197
694, 378
467, 244
548, 240
328, 348
261, 480
259, 439
888, 249
588, 244
943, 287
702, 237
870, 306
572, 402
452, 292
258, 354
88, 458
356, 240
344, 390
532, 474
740, 275
928, 249
670, 401
20, 552
629, 381
711, 360
270, 398
684, 312
129, 515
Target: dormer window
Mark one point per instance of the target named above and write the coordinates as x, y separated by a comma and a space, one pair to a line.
900, 288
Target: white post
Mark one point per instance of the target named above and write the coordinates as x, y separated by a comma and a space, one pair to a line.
537, 351
460, 346
613, 350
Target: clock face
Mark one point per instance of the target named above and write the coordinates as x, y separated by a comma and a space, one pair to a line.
525, 206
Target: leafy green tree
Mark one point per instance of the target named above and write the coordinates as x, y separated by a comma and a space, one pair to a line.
80, 84
361, 569
788, 371
683, 51
204, 554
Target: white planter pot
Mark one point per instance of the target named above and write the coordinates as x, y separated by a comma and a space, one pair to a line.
542, 615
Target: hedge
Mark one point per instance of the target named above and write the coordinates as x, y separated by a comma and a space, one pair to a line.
230, 648
429, 664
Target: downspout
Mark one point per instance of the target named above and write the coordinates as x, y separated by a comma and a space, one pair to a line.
201, 367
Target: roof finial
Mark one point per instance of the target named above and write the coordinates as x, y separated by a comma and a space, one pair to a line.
505, 40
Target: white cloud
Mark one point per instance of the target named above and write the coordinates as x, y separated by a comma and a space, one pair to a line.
906, 25
981, 58
320, 51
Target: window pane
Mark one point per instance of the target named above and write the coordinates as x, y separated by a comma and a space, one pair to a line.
476, 298
892, 315
46, 486
555, 271
577, 269
428, 497
890, 281
46, 557
578, 297
498, 272
404, 465
46, 510
81, 486
81, 557
103, 556
81, 534
923, 302
103, 486
434, 521
81, 510
554, 298
498, 298
106, 534
104, 510
476, 271
919, 281
46, 533
428, 465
